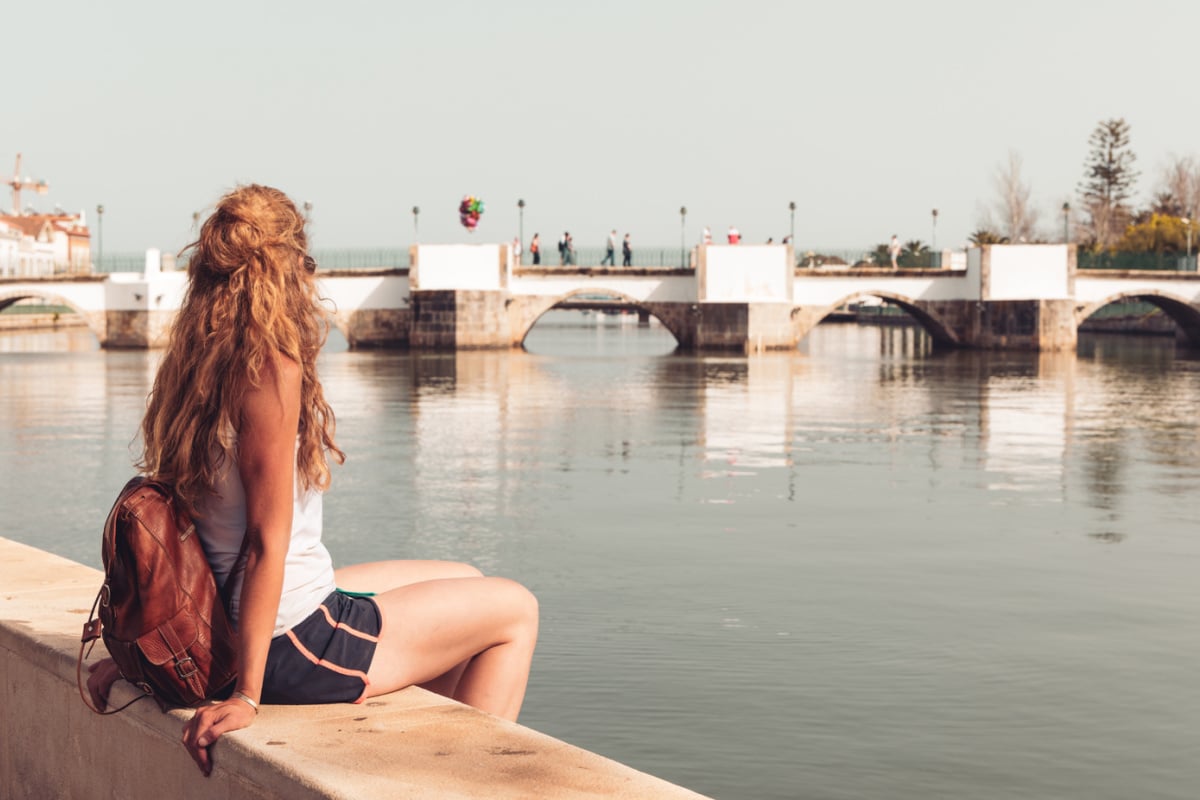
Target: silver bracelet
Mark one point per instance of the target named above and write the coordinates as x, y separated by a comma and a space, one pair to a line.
247, 699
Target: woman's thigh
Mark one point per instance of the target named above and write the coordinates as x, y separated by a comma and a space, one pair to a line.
432, 626
383, 576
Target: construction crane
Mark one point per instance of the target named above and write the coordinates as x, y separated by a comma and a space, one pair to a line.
16, 183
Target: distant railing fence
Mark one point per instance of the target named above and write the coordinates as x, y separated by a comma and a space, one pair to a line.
393, 258
1171, 262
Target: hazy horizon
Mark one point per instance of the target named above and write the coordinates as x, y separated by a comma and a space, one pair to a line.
867, 115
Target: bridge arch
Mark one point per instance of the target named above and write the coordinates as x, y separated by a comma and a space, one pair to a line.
1183, 313
96, 322
927, 316
529, 309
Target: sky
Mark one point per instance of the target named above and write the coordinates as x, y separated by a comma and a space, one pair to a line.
867, 115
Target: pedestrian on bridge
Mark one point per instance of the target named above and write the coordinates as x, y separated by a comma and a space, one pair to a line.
626, 252
610, 250
567, 248
535, 249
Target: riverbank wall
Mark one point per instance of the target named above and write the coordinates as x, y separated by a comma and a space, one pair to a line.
40, 322
410, 744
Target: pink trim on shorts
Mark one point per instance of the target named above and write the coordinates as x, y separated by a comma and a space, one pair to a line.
329, 665
347, 628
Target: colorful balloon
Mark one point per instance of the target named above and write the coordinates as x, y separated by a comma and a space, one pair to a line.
469, 211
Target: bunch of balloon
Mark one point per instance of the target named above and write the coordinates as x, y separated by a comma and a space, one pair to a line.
469, 211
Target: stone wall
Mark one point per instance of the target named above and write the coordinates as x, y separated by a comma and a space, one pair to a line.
723, 326
1008, 324
681, 319
34, 322
746, 327
377, 327
410, 744
460, 319
524, 312
136, 329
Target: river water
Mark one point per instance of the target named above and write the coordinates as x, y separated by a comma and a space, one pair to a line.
861, 570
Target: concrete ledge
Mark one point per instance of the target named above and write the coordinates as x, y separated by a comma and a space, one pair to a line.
411, 744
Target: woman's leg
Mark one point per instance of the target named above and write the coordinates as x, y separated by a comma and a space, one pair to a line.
383, 576
485, 629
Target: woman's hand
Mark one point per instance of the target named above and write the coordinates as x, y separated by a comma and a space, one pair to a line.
209, 722
103, 674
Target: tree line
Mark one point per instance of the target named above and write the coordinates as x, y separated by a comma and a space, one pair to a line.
1103, 218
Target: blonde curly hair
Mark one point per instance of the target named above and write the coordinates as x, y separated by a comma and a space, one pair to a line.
252, 298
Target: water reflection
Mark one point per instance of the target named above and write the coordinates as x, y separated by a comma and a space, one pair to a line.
1016, 422
68, 339
1036, 425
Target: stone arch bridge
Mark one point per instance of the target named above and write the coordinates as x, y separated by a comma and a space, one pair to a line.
734, 298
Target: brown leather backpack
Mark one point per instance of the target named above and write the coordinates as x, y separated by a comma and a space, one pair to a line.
161, 615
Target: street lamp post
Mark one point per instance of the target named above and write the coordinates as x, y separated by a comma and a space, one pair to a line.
307, 212
416, 227
99, 235
683, 236
792, 224
195, 222
521, 228
1187, 223
1066, 211
933, 236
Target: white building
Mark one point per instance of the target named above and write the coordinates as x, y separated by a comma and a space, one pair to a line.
34, 245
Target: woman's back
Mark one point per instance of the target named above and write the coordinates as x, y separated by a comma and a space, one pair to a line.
308, 570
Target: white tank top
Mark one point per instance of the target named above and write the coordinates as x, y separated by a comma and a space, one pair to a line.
308, 571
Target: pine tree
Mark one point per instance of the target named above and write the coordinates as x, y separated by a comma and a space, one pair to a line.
1108, 182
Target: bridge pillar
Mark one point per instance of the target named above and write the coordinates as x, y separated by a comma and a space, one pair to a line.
140, 307
460, 296
747, 327
1025, 299
376, 327
454, 319
1026, 325
136, 330
1008, 324
746, 298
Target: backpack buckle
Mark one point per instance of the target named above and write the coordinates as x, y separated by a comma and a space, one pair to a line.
185, 668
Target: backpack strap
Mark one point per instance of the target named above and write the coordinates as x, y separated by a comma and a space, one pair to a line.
91, 632
226, 591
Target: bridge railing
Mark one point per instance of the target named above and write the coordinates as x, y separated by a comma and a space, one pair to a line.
1167, 262
119, 262
592, 256
656, 256
346, 258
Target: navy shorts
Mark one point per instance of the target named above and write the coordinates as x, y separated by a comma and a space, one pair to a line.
325, 658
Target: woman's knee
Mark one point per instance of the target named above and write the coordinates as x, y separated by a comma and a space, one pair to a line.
465, 570
523, 604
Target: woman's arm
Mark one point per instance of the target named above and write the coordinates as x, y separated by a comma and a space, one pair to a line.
270, 419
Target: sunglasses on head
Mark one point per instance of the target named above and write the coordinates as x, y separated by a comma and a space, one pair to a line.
310, 263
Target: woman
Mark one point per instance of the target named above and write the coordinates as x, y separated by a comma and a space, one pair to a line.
535, 247
238, 424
